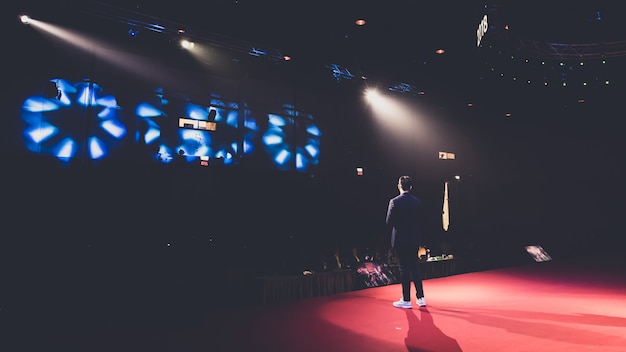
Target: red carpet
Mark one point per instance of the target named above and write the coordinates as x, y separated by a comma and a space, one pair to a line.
540, 307
551, 306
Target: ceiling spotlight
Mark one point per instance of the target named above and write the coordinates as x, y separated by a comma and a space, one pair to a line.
25, 19
440, 51
133, 31
406, 88
340, 73
360, 22
187, 44
257, 52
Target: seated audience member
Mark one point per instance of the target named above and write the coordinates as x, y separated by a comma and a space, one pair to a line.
353, 260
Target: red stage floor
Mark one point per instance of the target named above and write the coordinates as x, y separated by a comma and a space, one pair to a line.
545, 306
549, 306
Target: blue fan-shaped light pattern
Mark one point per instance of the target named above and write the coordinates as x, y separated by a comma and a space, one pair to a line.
291, 140
150, 135
276, 142
195, 142
81, 120
218, 144
293, 146
307, 143
187, 143
253, 129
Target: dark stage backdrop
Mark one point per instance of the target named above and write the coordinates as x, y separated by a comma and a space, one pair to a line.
86, 98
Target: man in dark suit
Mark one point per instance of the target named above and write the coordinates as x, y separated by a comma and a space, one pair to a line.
403, 215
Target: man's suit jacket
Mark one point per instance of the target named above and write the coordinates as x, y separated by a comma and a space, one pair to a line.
403, 215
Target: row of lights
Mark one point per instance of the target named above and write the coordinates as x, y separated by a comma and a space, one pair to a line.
568, 73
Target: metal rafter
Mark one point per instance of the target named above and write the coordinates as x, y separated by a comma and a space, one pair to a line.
176, 29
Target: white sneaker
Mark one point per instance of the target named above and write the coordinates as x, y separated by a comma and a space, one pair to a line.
421, 302
402, 304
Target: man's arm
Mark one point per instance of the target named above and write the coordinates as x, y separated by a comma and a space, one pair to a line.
389, 218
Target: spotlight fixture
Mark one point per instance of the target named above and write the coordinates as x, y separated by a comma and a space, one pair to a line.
257, 52
406, 88
133, 31
186, 44
339, 72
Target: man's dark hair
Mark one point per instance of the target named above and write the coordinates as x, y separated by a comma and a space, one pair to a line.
405, 183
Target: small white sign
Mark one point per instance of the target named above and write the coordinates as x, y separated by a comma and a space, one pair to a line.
446, 155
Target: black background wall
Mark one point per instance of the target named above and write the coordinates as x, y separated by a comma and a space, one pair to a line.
551, 176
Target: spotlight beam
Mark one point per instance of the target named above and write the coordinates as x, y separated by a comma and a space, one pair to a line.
134, 64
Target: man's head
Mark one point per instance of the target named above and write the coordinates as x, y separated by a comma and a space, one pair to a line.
405, 183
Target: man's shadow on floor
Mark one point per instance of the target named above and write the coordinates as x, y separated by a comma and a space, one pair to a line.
423, 335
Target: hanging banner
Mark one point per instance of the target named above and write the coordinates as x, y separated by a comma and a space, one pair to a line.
445, 214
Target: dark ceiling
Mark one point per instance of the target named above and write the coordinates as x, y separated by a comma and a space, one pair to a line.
399, 40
